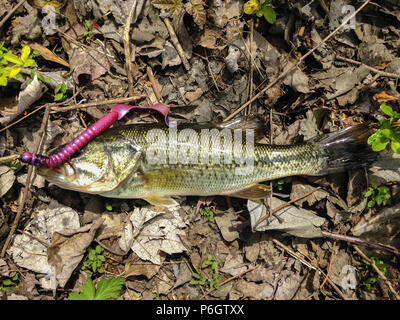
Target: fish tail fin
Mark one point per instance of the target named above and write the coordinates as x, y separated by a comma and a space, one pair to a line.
345, 149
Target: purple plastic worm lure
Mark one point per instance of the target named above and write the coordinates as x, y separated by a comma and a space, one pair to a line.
117, 113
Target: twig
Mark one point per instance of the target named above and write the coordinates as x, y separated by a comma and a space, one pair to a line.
361, 242
127, 48
176, 42
230, 279
330, 265
252, 71
24, 117
3, 21
96, 103
46, 244
311, 266
378, 72
8, 159
379, 272
25, 191
295, 65
154, 84
285, 205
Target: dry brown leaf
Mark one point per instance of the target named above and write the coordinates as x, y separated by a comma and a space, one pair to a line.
196, 9
174, 6
134, 266
48, 55
209, 39
383, 96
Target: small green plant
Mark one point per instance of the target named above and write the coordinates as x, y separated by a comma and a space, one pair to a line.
261, 8
15, 165
94, 260
109, 207
278, 184
377, 195
88, 27
7, 283
60, 92
389, 131
107, 289
201, 280
207, 213
372, 278
11, 65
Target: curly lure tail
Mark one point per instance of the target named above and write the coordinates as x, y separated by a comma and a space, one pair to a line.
117, 113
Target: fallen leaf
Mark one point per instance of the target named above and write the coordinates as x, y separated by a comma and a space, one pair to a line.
227, 224
209, 40
296, 79
134, 266
26, 98
234, 264
152, 231
263, 291
383, 96
30, 253
48, 55
296, 221
7, 178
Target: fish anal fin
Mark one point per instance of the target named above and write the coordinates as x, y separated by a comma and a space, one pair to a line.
158, 200
255, 192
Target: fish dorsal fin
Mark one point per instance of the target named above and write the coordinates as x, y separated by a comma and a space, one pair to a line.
255, 192
251, 122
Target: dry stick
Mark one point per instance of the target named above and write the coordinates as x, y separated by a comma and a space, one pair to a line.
27, 182
230, 279
378, 72
8, 159
3, 21
96, 103
127, 48
361, 242
154, 84
298, 62
330, 265
176, 42
252, 69
379, 272
294, 254
24, 117
286, 204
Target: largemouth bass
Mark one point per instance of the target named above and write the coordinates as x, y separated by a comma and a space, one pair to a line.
154, 162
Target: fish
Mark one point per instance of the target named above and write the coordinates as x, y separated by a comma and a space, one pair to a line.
157, 163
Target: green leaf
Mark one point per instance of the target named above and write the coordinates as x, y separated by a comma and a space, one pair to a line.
251, 7
7, 282
387, 109
87, 292
14, 71
380, 143
30, 63
26, 51
395, 145
371, 203
3, 80
57, 88
59, 96
109, 289
10, 57
269, 14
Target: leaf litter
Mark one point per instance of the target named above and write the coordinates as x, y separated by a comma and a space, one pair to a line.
230, 60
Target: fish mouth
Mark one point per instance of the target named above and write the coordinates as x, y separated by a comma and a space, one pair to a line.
62, 177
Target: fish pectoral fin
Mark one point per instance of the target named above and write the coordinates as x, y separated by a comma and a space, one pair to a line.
255, 192
161, 200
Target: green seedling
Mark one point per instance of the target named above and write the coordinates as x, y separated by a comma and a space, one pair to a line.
95, 260
15, 165
377, 195
109, 207
207, 214
261, 8
201, 280
372, 278
389, 131
9, 283
11, 65
88, 27
278, 184
107, 289
60, 92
